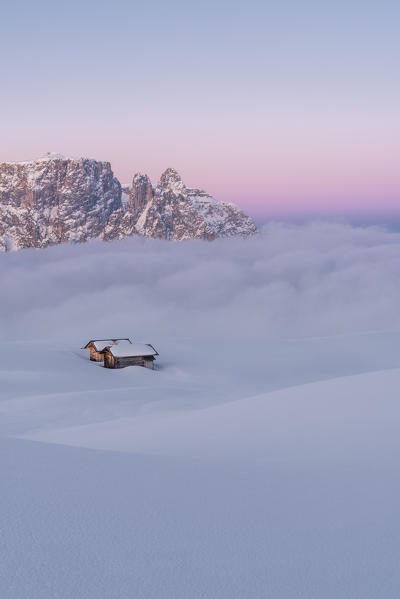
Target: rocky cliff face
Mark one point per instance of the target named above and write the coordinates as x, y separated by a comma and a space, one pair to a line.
58, 199
177, 212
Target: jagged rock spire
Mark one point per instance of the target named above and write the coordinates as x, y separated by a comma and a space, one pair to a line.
141, 193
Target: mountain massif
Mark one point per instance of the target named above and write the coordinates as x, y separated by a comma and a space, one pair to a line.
56, 199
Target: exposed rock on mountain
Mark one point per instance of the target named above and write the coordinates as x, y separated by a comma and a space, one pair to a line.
57, 199
141, 193
177, 212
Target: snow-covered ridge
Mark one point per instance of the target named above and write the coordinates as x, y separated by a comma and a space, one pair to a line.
56, 198
49, 156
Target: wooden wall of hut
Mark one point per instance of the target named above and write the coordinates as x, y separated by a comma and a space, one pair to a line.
111, 362
95, 356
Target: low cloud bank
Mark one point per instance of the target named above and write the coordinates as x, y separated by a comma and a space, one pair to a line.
293, 280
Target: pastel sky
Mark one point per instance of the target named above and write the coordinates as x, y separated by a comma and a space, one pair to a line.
288, 107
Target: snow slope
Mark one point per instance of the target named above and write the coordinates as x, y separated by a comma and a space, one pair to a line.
251, 463
346, 419
292, 493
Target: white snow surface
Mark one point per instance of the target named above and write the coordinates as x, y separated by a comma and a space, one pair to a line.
260, 459
49, 156
132, 350
100, 344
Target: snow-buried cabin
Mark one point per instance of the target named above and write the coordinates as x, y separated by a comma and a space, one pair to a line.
118, 353
135, 354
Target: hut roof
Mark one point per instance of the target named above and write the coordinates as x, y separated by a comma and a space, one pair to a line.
133, 350
100, 344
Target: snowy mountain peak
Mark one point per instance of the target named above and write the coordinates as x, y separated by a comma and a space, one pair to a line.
138, 177
56, 199
170, 177
178, 212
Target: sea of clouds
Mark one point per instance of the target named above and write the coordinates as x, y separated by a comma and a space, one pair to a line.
292, 280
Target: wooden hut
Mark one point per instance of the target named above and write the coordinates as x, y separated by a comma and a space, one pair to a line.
96, 346
135, 354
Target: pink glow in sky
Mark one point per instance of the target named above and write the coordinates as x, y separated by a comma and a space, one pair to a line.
282, 108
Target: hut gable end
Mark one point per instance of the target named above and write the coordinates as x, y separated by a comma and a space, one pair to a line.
96, 346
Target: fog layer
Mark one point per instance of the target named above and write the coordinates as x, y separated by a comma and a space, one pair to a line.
306, 280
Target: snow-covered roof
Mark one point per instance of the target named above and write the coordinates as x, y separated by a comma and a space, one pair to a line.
100, 344
132, 350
